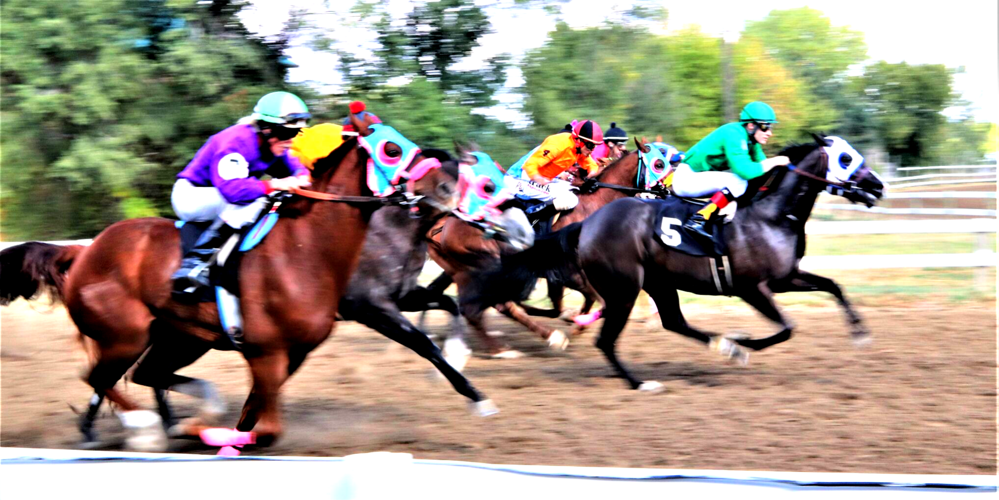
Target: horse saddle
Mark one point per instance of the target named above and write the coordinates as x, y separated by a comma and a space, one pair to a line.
670, 216
539, 213
224, 278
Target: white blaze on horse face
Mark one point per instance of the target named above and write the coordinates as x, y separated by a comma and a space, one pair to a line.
843, 159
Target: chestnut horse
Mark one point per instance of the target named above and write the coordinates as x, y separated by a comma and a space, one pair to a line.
464, 252
117, 290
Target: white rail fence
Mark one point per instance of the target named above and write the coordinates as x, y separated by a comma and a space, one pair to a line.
979, 174
29, 473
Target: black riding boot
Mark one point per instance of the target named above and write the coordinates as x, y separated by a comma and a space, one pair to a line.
194, 268
696, 225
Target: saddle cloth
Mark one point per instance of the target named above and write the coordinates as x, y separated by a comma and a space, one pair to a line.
670, 216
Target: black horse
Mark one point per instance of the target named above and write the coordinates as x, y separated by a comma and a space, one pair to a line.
385, 282
620, 254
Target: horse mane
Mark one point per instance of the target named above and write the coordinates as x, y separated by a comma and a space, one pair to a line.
797, 152
608, 168
448, 164
324, 166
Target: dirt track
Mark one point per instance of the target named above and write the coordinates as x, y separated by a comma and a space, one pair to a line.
921, 399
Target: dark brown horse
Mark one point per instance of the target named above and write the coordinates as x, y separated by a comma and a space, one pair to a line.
465, 253
117, 291
620, 254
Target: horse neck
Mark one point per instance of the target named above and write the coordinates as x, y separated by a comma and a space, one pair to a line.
620, 173
327, 219
795, 196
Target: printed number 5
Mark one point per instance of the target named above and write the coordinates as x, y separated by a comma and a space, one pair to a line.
670, 236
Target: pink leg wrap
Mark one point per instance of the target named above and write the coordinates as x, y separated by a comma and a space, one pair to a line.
588, 319
227, 437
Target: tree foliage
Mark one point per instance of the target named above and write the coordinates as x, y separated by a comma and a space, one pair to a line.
106, 100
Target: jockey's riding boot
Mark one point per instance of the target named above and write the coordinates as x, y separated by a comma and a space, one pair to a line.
697, 223
194, 268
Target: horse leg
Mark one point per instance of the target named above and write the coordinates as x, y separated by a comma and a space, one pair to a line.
619, 290
762, 300
262, 411
395, 326
556, 339
474, 314
808, 282
157, 370
668, 302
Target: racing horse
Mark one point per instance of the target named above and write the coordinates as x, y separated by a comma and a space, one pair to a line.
467, 255
117, 290
620, 254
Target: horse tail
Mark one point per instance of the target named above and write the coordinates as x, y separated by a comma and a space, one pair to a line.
33, 267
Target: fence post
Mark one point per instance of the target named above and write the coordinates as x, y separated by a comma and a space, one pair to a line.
983, 243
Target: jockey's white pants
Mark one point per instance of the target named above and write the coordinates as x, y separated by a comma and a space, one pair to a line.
692, 184
558, 191
194, 204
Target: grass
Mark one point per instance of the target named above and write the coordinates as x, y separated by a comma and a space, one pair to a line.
894, 244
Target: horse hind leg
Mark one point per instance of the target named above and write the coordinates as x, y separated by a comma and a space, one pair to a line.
556, 339
156, 370
762, 300
668, 303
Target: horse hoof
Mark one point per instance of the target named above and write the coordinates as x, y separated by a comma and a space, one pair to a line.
508, 354
227, 451
730, 350
89, 444
568, 315
651, 387
588, 319
484, 408
558, 341
862, 340
145, 430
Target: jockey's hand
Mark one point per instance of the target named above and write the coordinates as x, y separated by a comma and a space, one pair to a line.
776, 161
603, 162
288, 183
647, 196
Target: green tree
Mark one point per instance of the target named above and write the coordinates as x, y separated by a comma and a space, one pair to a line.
902, 104
104, 101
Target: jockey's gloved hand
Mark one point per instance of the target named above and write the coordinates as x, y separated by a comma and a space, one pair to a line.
564, 201
588, 186
728, 212
776, 161
288, 183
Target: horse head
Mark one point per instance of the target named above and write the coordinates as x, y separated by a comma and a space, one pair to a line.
398, 167
832, 161
484, 198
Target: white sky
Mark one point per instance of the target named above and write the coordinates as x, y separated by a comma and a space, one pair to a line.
954, 33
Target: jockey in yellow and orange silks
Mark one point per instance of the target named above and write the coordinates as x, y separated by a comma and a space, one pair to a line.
536, 174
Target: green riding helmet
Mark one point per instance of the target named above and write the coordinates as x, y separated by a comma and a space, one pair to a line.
282, 108
758, 111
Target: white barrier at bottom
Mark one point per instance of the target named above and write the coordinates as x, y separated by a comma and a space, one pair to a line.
30, 473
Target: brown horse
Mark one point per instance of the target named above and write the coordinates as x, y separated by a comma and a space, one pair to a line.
117, 291
464, 252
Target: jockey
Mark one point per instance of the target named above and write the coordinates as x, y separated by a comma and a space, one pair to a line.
318, 141
357, 108
613, 146
222, 184
722, 164
535, 174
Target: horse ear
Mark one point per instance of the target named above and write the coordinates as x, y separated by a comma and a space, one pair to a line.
643, 146
659, 138
361, 126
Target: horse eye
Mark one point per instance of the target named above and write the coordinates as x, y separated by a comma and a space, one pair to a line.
489, 187
392, 151
659, 165
845, 160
